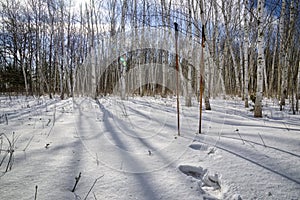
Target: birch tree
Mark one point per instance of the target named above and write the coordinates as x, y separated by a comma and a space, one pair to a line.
260, 59
282, 71
246, 56
188, 98
202, 69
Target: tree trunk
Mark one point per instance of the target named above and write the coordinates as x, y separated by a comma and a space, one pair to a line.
282, 86
246, 55
188, 97
241, 52
202, 70
123, 59
260, 60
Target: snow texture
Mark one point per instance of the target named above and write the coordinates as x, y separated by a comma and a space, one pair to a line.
130, 150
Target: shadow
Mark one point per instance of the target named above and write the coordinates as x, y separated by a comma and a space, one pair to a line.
147, 189
230, 148
260, 144
113, 132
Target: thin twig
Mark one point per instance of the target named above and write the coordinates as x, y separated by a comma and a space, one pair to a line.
177, 77
9, 151
97, 159
6, 119
28, 143
76, 181
262, 139
92, 186
94, 195
240, 136
36, 190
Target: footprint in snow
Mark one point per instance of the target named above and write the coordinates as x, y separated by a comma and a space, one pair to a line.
198, 147
196, 172
209, 184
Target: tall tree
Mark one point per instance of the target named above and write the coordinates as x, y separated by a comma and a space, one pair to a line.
246, 53
123, 60
260, 59
282, 70
188, 98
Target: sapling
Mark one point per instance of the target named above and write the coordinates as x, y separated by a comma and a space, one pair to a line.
49, 120
94, 195
237, 130
177, 77
10, 151
76, 181
6, 119
35, 194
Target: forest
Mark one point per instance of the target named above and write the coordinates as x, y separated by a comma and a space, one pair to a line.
90, 92
242, 48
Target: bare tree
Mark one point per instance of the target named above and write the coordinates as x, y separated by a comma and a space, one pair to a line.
260, 60
123, 63
282, 70
246, 56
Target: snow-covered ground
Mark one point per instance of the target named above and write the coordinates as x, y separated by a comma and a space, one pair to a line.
130, 150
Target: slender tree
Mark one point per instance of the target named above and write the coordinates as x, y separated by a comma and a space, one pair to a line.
246, 54
260, 60
282, 70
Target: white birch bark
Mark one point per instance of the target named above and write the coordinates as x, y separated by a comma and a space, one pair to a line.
123, 62
62, 53
163, 9
282, 86
202, 70
93, 63
265, 81
188, 97
241, 51
260, 60
242, 69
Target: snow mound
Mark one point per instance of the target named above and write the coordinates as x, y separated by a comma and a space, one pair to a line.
209, 185
196, 172
198, 147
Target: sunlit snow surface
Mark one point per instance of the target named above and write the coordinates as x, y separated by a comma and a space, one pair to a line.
134, 144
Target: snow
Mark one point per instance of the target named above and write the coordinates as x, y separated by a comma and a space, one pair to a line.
130, 150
